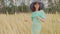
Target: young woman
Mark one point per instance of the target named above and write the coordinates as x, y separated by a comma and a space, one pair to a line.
37, 17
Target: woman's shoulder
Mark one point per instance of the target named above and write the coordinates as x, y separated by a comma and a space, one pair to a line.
38, 11
41, 11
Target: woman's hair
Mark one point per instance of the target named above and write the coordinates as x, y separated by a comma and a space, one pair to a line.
33, 7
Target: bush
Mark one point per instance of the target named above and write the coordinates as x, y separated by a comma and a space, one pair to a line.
10, 10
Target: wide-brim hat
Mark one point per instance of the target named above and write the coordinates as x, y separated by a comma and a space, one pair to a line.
40, 3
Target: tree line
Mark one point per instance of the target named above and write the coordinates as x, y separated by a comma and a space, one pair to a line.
11, 9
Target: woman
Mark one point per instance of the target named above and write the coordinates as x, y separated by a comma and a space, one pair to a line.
38, 15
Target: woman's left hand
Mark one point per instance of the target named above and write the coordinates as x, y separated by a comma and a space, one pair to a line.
41, 19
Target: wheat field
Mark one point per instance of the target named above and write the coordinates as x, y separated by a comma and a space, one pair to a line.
21, 24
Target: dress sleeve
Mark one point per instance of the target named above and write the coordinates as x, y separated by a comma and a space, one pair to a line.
42, 14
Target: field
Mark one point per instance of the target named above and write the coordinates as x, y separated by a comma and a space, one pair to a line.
21, 24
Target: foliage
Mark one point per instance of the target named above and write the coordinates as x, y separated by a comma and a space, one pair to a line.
52, 9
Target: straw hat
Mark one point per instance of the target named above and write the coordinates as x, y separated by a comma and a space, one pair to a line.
40, 3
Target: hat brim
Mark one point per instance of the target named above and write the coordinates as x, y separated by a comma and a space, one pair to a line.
40, 3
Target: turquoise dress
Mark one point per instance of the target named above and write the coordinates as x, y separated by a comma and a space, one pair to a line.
36, 24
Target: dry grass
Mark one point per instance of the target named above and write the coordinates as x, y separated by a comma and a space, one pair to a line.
21, 24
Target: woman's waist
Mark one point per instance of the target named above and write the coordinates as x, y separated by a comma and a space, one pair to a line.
36, 22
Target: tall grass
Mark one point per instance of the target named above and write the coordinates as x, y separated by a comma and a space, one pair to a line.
21, 24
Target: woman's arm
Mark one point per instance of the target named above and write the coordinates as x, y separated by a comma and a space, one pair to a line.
41, 19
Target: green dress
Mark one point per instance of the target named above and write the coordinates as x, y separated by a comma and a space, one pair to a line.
36, 24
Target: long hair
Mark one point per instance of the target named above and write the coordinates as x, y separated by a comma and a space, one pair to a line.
41, 5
